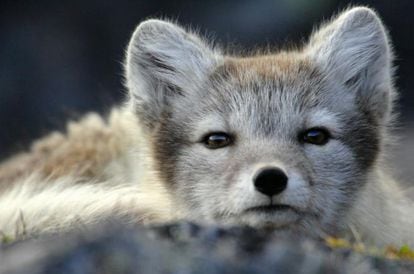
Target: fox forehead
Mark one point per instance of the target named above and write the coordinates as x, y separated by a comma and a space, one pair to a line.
281, 66
285, 77
259, 95
269, 63
264, 85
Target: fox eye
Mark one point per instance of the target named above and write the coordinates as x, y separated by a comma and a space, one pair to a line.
217, 140
315, 136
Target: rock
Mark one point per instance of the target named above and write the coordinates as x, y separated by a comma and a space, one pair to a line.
186, 248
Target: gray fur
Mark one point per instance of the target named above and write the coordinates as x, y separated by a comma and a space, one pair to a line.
341, 80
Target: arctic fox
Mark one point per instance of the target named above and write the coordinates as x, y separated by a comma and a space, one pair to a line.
294, 140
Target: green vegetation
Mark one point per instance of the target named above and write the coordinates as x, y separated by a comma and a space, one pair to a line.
389, 252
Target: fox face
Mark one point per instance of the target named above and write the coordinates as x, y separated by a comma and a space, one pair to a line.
282, 139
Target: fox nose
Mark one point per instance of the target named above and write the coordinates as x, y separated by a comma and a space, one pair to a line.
270, 181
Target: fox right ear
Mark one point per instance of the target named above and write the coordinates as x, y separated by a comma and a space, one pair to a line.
355, 50
164, 61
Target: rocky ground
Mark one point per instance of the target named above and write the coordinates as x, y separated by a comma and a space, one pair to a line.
187, 248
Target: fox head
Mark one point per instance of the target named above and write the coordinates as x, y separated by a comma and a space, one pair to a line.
284, 139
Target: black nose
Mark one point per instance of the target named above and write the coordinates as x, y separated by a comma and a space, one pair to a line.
270, 181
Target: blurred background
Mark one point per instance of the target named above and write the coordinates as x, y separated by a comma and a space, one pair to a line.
60, 59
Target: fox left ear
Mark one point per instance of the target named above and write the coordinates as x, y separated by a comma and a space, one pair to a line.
164, 61
354, 49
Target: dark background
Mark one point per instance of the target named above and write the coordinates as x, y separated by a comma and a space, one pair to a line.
60, 59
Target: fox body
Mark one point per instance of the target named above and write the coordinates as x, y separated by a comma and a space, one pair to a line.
294, 140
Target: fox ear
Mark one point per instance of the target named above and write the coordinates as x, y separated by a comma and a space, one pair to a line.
164, 61
354, 50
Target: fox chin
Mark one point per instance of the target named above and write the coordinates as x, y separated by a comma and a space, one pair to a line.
290, 139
